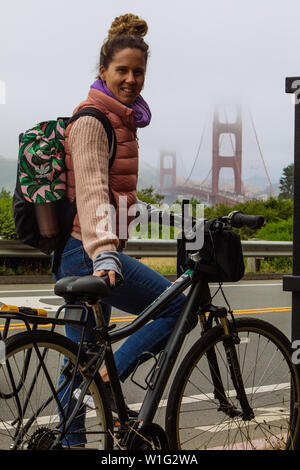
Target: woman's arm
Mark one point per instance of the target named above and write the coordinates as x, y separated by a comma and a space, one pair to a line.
89, 150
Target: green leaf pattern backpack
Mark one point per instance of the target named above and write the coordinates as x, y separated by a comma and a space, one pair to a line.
40, 193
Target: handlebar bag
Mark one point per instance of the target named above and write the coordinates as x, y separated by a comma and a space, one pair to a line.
221, 255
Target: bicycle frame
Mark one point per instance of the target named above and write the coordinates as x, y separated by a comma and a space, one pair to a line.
199, 294
197, 303
198, 300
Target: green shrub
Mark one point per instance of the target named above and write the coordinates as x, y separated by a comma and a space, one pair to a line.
273, 210
276, 265
278, 214
281, 231
7, 226
15, 266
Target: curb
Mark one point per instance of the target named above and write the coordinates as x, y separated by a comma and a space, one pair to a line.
34, 279
47, 279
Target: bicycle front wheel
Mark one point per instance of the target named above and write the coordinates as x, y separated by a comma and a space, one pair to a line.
35, 386
203, 411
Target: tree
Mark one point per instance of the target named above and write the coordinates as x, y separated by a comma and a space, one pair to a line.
4, 194
149, 196
286, 183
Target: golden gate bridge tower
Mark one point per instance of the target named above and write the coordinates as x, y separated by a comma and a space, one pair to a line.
224, 129
167, 173
233, 130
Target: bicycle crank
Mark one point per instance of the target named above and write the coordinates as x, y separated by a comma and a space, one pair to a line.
147, 437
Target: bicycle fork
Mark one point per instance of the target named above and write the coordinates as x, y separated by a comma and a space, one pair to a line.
229, 339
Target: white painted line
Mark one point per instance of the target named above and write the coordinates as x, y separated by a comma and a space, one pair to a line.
191, 399
41, 421
267, 415
9, 292
33, 302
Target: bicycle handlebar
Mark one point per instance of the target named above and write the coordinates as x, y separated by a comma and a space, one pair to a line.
238, 220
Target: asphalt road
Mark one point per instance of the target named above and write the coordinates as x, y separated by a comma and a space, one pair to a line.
262, 299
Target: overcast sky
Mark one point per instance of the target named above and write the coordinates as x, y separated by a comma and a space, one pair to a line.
202, 52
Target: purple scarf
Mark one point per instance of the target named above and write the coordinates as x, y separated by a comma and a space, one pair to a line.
141, 110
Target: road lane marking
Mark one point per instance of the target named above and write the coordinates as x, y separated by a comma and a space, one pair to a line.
232, 393
191, 399
34, 302
240, 284
129, 318
267, 415
261, 310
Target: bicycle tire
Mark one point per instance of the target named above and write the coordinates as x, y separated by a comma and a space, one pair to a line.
271, 383
30, 416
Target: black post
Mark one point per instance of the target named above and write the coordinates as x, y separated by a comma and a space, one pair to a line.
292, 282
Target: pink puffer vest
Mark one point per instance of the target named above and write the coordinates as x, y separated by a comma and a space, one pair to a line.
124, 171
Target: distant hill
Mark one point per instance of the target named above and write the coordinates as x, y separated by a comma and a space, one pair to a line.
8, 172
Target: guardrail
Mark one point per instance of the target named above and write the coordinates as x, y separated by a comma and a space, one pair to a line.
157, 248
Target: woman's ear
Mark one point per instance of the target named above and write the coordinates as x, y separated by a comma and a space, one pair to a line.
102, 72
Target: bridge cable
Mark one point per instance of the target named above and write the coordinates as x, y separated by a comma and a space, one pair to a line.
205, 177
197, 155
261, 155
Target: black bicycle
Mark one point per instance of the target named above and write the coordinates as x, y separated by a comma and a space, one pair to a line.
237, 387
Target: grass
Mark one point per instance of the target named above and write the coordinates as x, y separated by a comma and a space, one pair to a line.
164, 266
167, 266
24, 267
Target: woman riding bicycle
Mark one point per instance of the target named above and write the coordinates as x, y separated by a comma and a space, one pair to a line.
94, 248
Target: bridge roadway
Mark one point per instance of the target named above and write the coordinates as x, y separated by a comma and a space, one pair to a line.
262, 299
229, 199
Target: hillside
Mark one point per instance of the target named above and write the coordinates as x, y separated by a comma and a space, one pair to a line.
8, 172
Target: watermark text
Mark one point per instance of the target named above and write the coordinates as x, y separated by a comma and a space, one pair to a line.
156, 221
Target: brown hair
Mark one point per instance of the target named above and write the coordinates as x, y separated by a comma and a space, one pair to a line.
125, 31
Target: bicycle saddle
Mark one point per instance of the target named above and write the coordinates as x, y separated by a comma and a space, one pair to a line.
88, 289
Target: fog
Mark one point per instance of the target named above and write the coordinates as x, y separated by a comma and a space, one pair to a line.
202, 54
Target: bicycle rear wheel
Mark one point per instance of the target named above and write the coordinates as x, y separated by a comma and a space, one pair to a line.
33, 398
194, 416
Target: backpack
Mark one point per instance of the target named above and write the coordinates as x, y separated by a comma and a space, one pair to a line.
221, 255
40, 192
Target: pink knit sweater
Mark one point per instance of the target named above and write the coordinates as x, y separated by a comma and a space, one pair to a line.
88, 139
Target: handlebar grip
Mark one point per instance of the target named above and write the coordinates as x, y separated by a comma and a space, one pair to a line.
238, 219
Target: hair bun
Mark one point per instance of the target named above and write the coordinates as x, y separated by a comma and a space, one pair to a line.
128, 24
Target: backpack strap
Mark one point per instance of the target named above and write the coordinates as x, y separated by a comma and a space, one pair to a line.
96, 113
72, 209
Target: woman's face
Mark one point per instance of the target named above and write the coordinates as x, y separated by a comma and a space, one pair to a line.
125, 74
